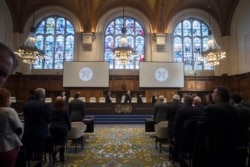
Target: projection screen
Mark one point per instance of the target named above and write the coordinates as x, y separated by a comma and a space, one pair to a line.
161, 74
86, 74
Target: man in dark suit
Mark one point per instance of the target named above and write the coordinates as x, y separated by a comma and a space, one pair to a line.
154, 98
218, 127
244, 114
37, 115
182, 136
139, 98
160, 110
76, 109
171, 112
108, 98
127, 97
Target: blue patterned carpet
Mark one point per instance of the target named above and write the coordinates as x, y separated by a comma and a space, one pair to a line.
119, 145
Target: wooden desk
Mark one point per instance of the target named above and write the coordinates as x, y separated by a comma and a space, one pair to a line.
119, 108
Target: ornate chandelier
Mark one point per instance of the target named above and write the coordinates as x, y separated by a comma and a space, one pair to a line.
214, 53
123, 51
28, 51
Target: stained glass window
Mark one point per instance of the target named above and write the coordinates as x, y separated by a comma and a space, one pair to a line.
55, 36
190, 40
135, 39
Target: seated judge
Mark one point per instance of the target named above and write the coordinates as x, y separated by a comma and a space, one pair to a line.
127, 97
108, 98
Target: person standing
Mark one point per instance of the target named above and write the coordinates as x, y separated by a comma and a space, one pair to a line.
139, 98
171, 112
160, 110
183, 136
197, 103
8, 63
108, 98
244, 114
218, 131
37, 116
76, 109
11, 130
63, 95
154, 98
127, 97
60, 125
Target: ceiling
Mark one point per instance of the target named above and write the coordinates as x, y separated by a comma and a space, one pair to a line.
157, 11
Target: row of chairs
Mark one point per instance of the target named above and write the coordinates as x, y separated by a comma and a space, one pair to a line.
75, 135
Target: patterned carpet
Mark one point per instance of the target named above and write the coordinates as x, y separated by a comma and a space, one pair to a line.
117, 146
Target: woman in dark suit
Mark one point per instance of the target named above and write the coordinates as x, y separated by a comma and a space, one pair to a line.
60, 125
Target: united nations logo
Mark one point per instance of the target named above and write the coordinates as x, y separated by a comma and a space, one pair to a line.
85, 74
161, 74
125, 108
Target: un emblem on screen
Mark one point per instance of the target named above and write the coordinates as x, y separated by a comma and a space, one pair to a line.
161, 74
85, 74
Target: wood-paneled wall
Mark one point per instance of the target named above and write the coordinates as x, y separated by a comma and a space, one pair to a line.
22, 86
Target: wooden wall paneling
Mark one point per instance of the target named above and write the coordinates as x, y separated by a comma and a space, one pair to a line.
22, 85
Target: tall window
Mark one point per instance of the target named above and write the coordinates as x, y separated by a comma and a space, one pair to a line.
135, 39
55, 36
190, 40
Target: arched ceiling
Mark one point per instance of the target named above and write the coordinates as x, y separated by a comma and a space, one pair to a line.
159, 12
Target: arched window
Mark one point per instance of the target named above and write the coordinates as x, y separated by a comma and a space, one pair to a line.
135, 39
55, 36
190, 40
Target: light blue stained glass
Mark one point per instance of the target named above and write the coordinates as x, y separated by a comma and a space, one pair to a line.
70, 29
110, 29
204, 30
118, 26
135, 39
58, 64
60, 26
186, 28
178, 30
138, 29
130, 41
139, 43
178, 49
55, 36
50, 26
130, 26
40, 29
190, 40
196, 28
49, 46
39, 42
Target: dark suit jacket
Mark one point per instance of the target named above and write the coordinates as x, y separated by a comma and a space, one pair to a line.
76, 110
218, 136
171, 112
139, 99
37, 115
154, 99
160, 112
127, 99
107, 99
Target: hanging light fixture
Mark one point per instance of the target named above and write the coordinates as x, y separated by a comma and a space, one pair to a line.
28, 51
214, 53
123, 51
